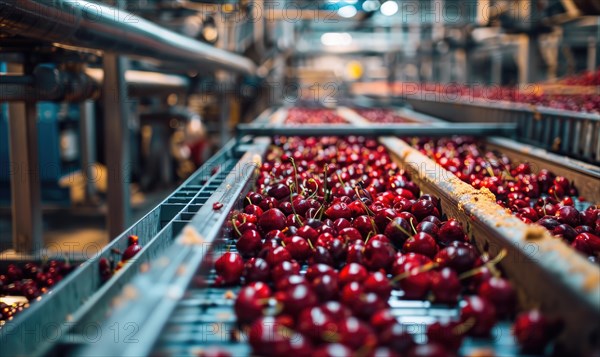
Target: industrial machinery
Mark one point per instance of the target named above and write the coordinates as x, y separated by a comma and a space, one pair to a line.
316, 201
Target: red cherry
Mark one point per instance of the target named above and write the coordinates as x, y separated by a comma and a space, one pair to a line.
352, 272
332, 350
316, 324
421, 243
397, 338
459, 256
269, 338
531, 330
285, 269
230, 267
398, 230
445, 286
480, 313
272, 219
297, 298
277, 255
317, 270
499, 292
131, 251
587, 243
256, 269
249, 243
379, 284
451, 231
249, 303
448, 334
338, 210
378, 255
430, 349
326, 286
356, 334
382, 319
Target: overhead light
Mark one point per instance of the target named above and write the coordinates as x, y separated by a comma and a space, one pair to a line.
347, 11
336, 39
389, 8
370, 5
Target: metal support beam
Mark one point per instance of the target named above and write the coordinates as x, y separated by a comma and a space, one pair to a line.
116, 143
87, 143
429, 129
25, 173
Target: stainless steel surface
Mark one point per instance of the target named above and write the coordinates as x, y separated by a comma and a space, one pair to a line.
141, 83
24, 173
100, 27
116, 143
150, 299
82, 296
431, 129
87, 143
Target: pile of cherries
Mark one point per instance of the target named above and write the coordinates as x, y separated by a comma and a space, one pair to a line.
108, 267
582, 102
381, 115
313, 116
30, 281
543, 198
335, 230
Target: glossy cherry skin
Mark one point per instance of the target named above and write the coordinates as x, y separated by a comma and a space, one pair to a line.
285, 269
501, 293
398, 230
269, 338
565, 231
249, 303
382, 319
326, 286
298, 248
421, 243
272, 219
445, 286
256, 269
336, 310
459, 256
277, 255
379, 284
356, 334
316, 324
338, 210
479, 312
450, 231
230, 267
531, 330
297, 298
587, 243
249, 243
317, 270
378, 255
416, 285
396, 338
423, 208
568, 215
352, 272
332, 350
446, 333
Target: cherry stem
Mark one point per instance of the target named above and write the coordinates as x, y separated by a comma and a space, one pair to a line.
464, 327
325, 193
312, 247
367, 210
399, 227
235, 227
412, 225
249, 200
415, 271
293, 209
490, 265
340, 178
295, 173
312, 195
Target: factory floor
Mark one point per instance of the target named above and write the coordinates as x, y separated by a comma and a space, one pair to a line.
77, 232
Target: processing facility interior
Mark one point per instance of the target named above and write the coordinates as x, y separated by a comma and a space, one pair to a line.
300, 178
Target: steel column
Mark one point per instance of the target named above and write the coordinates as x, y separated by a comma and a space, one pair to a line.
87, 143
116, 143
25, 173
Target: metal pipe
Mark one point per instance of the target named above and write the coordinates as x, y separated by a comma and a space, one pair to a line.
51, 84
96, 26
